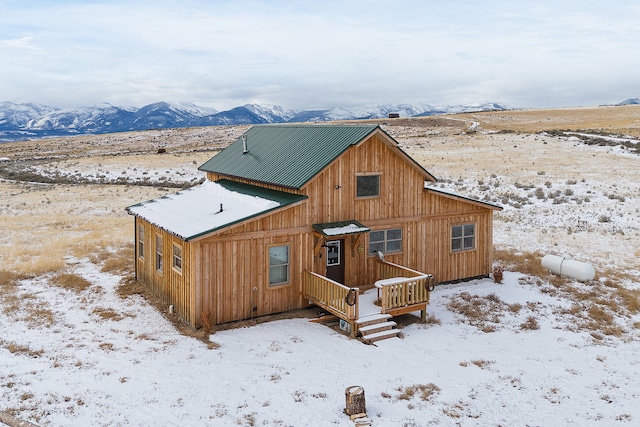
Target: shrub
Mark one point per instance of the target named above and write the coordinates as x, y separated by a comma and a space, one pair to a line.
498, 271
207, 322
530, 324
425, 391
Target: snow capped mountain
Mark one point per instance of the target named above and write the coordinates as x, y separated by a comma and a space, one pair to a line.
85, 120
362, 112
630, 101
271, 113
193, 109
22, 121
13, 116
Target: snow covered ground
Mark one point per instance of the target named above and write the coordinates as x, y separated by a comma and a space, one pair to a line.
131, 367
525, 352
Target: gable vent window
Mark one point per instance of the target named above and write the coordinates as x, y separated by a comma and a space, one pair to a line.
463, 237
367, 186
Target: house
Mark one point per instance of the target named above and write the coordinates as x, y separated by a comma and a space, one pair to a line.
296, 214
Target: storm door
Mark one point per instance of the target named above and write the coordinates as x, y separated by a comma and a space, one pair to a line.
335, 260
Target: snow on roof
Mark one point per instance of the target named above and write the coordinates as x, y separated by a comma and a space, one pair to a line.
347, 229
203, 208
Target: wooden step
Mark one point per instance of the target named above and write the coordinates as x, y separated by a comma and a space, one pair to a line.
372, 319
377, 327
382, 335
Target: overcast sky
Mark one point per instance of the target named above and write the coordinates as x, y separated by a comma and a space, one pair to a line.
319, 54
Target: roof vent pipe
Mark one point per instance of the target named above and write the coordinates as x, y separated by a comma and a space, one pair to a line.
245, 150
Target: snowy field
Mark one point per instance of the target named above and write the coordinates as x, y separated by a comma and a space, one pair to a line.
535, 350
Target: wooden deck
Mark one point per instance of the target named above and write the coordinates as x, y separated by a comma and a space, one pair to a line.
399, 290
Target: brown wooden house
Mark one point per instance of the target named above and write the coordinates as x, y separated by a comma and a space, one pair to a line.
298, 214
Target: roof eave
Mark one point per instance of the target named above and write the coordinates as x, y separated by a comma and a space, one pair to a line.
251, 181
465, 199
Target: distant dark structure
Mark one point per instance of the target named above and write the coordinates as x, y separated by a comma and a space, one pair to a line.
394, 115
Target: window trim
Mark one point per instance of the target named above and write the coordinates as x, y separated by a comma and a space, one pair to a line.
141, 244
176, 268
463, 237
159, 254
269, 266
386, 241
369, 174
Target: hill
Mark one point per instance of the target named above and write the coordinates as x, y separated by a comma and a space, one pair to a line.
83, 345
32, 121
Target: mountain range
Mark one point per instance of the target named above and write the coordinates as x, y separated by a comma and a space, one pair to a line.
32, 121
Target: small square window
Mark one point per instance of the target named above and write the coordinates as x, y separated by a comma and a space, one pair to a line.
367, 186
463, 237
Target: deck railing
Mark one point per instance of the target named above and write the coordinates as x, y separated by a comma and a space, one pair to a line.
332, 296
398, 293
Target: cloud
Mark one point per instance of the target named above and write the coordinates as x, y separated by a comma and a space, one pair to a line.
22, 43
316, 54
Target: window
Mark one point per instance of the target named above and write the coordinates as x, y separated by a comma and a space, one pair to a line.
333, 253
140, 241
385, 241
158, 253
278, 265
463, 237
367, 186
177, 258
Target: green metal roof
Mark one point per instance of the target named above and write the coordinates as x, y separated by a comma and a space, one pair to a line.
281, 197
286, 155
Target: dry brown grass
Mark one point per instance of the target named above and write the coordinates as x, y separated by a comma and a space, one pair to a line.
38, 315
10, 279
9, 299
429, 320
43, 224
70, 281
526, 263
483, 312
531, 324
425, 392
109, 314
119, 262
621, 120
15, 348
482, 363
186, 140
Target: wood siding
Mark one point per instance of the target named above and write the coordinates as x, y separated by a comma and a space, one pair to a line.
229, 276
168, 284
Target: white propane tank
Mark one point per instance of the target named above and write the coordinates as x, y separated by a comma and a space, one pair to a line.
581, 271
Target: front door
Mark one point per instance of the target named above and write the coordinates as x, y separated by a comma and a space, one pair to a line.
335, 260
